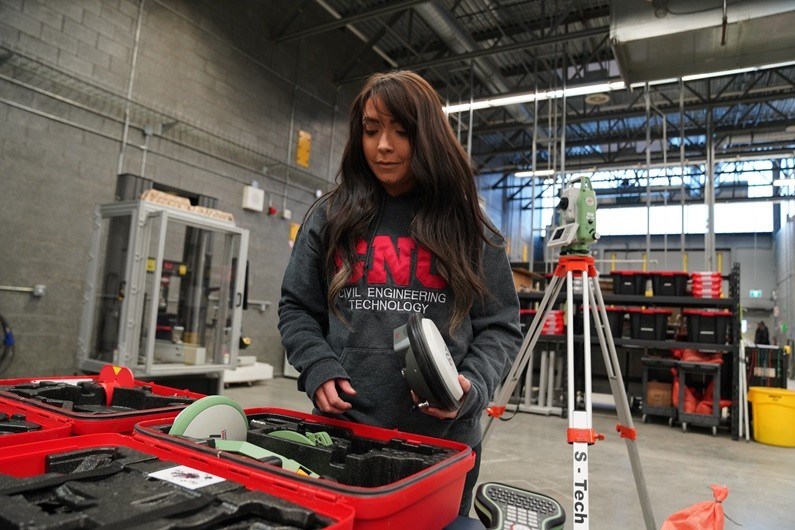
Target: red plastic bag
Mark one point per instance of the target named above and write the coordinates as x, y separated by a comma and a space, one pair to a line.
705, 405
691, 399
695, 356
702, 516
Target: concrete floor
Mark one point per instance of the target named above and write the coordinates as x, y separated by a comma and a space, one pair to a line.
530, 451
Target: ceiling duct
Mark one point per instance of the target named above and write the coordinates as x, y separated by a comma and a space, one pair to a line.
460, 41
664, 39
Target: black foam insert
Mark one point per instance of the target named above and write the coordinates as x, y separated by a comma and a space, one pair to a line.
16, 423
60, 395
350, 459
142, 398
90, 397
110, 487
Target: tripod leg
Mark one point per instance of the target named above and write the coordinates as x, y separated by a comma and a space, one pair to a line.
550, 396
626, 426
580, 434
524, 355
542, 379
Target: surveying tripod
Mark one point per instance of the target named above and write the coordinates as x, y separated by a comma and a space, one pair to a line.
575, 237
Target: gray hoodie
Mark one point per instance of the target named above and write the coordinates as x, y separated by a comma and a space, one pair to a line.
396, 278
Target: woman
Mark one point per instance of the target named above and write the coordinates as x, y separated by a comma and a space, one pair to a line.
402, 233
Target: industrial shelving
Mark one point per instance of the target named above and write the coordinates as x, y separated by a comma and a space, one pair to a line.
730, 349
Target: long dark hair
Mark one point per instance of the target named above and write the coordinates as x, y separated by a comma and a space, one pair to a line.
448, 220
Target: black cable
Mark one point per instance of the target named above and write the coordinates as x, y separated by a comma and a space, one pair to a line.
515, 412
7, 349
698, 11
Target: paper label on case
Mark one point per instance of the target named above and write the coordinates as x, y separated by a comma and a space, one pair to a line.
187, 477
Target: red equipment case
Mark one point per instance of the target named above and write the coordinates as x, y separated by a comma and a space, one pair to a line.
114, 400
417, 480
47, 465
20, 424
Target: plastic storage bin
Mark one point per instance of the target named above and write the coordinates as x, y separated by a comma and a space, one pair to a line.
669, 283
773, 415
111, 402
20, 424
708, 326
706, 284
706, 276
629, 282
391, 479
648, 324
707, 292
615, 319
107, 481
553, 323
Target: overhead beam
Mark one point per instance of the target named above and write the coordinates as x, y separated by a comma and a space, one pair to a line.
638, 111
508, 48
691, 200
574, 140
575, 164
586, 17
517, 46
389, 7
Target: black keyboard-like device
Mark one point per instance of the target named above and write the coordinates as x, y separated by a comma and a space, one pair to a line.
503, 507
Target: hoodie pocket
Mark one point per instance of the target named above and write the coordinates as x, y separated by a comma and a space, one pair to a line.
376, 377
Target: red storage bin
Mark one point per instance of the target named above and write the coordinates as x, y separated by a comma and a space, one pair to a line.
709, 326
391, 479
707, 280
111, 402
706, 284
706, 275
20, 424
554, 323
207, 492
707, 292
669, 283
629, 282
648, 324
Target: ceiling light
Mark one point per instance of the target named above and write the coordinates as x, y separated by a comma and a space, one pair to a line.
722, 73
529, 97
695, 77
600, 98
539, 173
784, 182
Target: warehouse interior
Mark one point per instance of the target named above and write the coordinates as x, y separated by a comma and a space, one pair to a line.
232, 117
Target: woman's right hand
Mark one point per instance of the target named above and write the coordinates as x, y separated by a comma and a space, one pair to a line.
327, 397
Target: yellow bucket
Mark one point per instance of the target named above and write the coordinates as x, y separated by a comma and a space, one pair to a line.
773, 415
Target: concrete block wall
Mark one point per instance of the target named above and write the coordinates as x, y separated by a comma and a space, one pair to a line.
223, 105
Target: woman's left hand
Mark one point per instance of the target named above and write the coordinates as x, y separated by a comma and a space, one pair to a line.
443, 414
